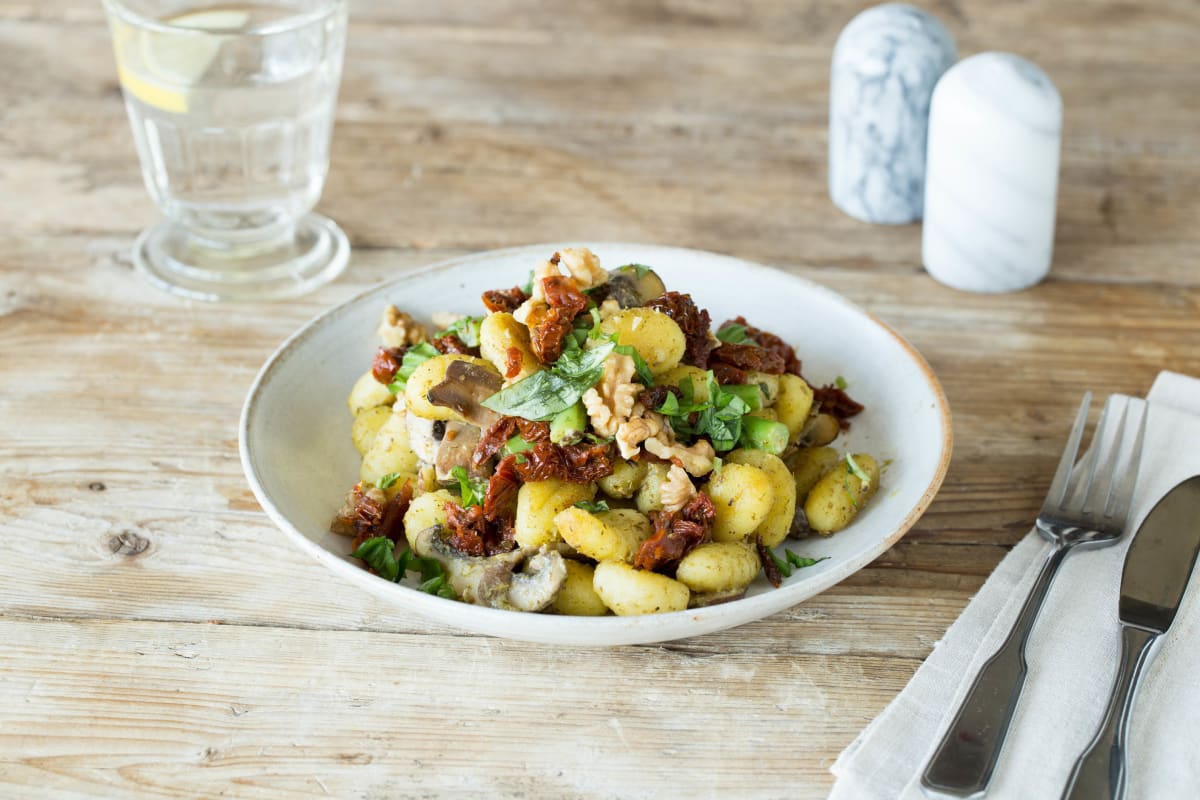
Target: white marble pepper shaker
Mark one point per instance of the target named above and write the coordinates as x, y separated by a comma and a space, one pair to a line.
885, 65
991, 184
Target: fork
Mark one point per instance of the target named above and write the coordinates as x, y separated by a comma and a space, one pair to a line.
1087, 506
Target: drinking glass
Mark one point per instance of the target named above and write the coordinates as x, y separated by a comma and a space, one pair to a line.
232, 108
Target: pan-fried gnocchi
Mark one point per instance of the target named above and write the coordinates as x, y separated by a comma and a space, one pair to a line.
591, 446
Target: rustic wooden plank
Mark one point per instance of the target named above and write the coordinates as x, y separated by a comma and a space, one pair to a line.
199, 710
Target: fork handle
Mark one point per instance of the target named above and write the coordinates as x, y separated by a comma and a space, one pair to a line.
1100, 771
964, 760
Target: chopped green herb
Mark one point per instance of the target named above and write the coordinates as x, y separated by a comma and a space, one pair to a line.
528, 287
670, 406
800, 562
473, 490
387, 481
379, 553
734, 333
719, 418
854, 469
466, 329
414, 357
643, 371
784, 567
840, 382
593, 508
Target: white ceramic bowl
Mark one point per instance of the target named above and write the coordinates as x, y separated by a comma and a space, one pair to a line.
296, 450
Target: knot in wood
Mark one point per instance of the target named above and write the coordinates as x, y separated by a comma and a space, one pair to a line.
128, 543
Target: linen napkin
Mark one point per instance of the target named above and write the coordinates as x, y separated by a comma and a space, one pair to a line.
1072, 655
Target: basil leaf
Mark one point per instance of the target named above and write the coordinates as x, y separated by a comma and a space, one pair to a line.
379, 553
473, 490
414, 357
593, 508
734, 333
854, 469
528, 287
387, 481
670, 406
544, 394
643, 371
466, 329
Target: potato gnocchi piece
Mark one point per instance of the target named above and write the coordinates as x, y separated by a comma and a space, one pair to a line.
767, 383
774, 529
742, 496
630, 592
366, 426
839, 496
809, 465
425, 511
649, 495
794, 404
718, 567
577, 597
820, 430
429, 374
626, 478
368, 393
497, 334
539, 502
655, 336
390, 451
607, 536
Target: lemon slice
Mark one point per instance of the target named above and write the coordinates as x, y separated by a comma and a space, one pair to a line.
170, 63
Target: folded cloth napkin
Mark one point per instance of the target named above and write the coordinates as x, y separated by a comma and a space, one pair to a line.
1072, 655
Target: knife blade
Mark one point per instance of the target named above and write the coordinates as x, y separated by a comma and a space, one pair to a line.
1153, 581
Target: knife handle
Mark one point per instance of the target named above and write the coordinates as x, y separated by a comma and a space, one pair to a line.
963, 762
1100, 771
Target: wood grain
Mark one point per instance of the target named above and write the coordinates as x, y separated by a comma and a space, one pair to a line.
159, 638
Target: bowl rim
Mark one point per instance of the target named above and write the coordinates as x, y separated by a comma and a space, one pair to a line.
574, 630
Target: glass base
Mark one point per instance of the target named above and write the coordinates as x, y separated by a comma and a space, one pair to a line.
284, 264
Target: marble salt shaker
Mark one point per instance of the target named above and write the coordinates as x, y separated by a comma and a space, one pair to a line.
991, 182
885, 65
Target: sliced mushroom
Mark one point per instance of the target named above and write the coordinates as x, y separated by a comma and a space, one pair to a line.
465, 388
495, 581
628, 288
455, 449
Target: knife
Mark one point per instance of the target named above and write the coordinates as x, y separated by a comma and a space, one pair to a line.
1156, 573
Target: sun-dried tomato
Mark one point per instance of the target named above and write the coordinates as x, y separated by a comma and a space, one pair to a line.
573, 463
563, 293
514, 359
748, 357
772, 343
693, 321
769, 567
676, 534
549, 326
373, 514
832, 400
387, 363
495, 437
451, 343
500, 501
504, 299
471, 533
727, 373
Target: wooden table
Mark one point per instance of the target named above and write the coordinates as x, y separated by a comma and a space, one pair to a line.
160, 638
